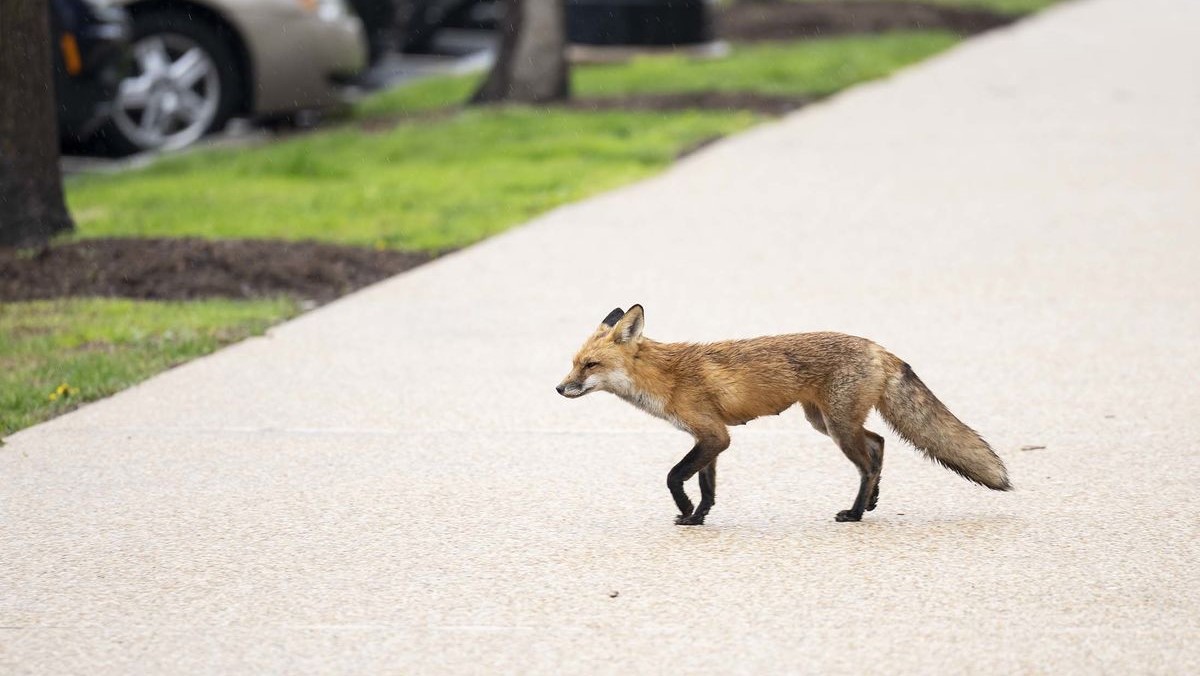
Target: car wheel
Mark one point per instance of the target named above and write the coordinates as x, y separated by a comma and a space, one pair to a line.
183, 83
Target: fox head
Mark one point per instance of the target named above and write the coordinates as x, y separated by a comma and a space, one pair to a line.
603, 363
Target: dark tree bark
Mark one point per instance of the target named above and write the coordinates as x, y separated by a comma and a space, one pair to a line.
531, 66
31, 197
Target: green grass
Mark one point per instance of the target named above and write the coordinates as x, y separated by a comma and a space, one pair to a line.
424, 95
804, 67
55, 355
444, 182
421, 186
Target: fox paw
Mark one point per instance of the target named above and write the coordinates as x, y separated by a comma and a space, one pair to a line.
847, 515
690, 520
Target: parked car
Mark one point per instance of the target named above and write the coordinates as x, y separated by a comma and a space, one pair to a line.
197, 63
90, 40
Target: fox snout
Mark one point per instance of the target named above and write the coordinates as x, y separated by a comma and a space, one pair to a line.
570, 389
576, 384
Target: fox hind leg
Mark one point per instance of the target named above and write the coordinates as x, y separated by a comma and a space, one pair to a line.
875, 450
853, 442
815, 417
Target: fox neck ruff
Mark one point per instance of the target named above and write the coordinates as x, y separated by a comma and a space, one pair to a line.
650, 383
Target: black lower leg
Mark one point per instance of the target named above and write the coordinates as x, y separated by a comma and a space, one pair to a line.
856, 510
875, 449
679, 474
708, 487
699, 459
854, 444
866, 487
708, 497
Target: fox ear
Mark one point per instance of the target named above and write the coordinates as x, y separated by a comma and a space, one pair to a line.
613, 317
630, 326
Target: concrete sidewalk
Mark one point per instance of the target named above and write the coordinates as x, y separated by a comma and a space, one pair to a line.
390, 484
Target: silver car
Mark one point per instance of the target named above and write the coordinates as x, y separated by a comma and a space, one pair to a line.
197, 63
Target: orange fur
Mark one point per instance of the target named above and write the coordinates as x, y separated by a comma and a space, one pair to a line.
838, 379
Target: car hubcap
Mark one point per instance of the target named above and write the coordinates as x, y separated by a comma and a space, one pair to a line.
171, 98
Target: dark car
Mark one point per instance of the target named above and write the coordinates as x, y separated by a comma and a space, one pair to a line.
650, 23
379, 24
91, 53
421, 20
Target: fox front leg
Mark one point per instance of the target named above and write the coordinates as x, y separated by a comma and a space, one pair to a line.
708, 493
703, 456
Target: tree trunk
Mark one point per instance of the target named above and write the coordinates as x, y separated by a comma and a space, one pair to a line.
531, 66
31, 198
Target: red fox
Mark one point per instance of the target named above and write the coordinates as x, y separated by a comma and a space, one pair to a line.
838, 379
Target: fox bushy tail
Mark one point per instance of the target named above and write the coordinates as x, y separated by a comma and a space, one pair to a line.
923, 421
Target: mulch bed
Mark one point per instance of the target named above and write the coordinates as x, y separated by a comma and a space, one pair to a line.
784, 20
766, 104
184, 269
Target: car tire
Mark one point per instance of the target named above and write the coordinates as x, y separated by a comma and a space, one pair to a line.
185, 82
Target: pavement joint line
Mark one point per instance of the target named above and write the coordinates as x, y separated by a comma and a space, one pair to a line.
335, 431
325, 627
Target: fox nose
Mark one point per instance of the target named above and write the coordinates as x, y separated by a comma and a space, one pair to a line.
559, 389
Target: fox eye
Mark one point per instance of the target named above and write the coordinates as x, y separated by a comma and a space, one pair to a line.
591, 365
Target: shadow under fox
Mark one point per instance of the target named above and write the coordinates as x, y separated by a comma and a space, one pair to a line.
838, 379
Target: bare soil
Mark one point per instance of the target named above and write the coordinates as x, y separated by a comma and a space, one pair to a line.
184, 269
766, 104
785, 20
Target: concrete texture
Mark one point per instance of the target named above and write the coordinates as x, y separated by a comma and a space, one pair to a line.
390, 484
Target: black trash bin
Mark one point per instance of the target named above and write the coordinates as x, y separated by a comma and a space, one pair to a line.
657, 23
